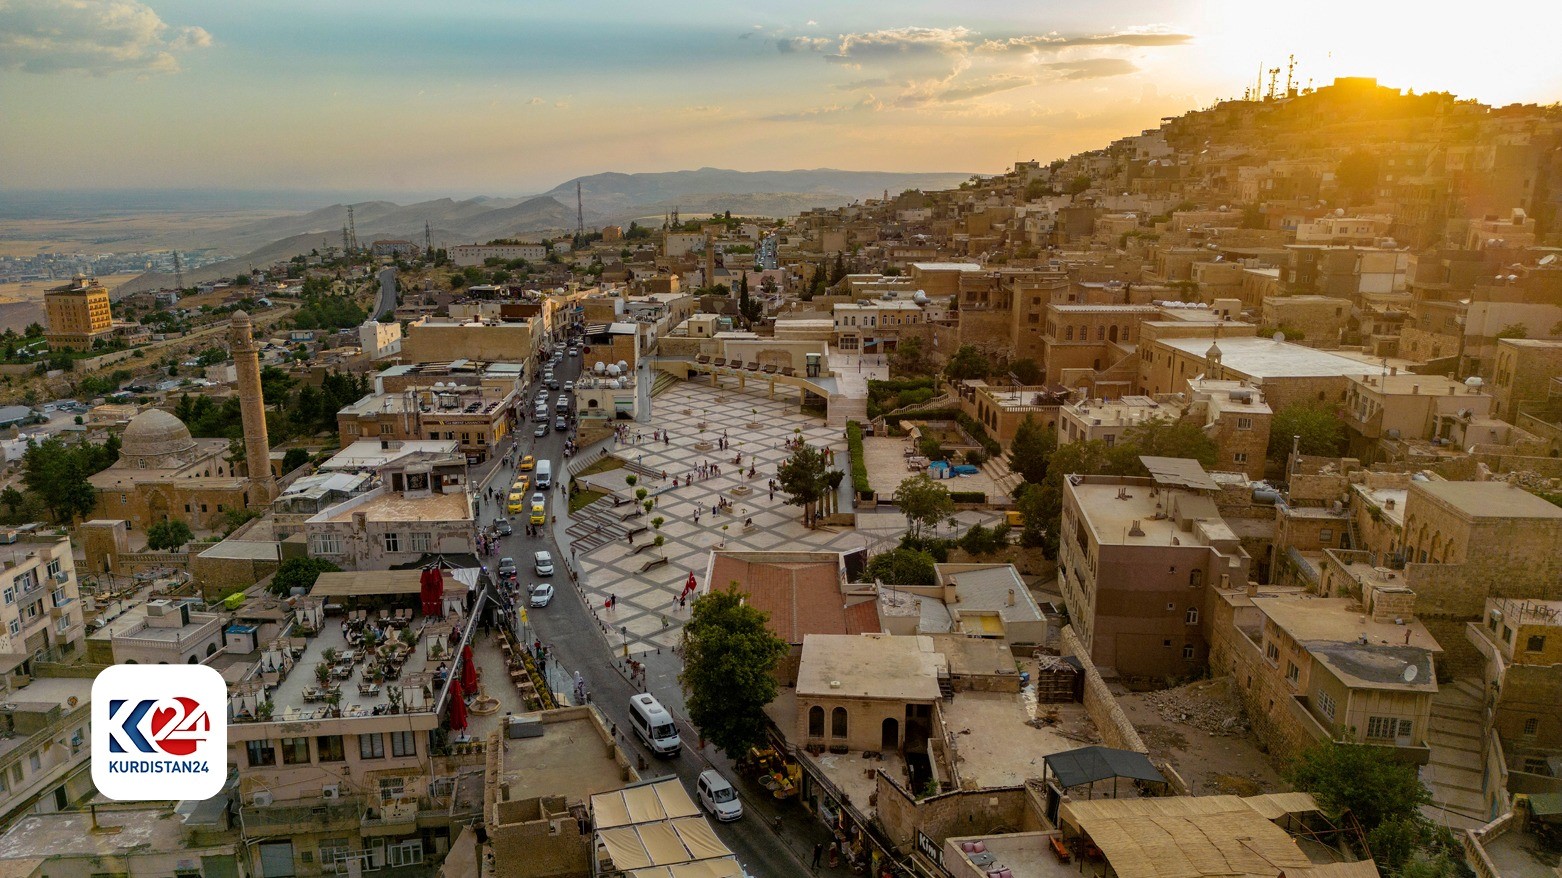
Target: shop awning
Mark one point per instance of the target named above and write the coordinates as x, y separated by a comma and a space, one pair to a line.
1090, 764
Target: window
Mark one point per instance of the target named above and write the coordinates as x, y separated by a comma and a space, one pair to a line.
1536, 643
260, 753
325, 544
1192, 616
295, 751
1292, 672
1532, 725
838, 723
53, 569
1326, 705
1187, 650
392, 788
1239, 457
331, 849
1533, 765
404, 743
1166, 643
393, 542
1386, 728
10, 595
35, 761
816, 722
330, 748
1326, 535
420, 541
371, 746
1244, 423
16, 627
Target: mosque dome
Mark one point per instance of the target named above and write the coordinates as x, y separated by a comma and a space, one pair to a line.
155, 437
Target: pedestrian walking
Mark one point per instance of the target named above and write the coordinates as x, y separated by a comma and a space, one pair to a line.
818, 854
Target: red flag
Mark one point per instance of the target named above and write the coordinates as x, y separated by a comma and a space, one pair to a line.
457, 707
468, 669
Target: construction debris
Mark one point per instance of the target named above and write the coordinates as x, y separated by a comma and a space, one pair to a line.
1208, 705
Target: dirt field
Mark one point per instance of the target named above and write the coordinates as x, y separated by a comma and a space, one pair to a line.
21, 304
1201, 730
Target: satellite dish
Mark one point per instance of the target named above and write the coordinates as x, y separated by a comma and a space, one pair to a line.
1279, 336
1548, 259
1410, 674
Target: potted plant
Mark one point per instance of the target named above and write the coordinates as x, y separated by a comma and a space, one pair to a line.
330, 655
393, 694
323, 674
264, 710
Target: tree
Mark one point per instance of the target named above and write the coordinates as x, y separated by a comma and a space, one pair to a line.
1167, 438
728, 658
299, 573
12, 499
293, 459
1032, 449
1078, 184
33, 330
924, 502
1320, 431
839, 271
1026, 370
910, 358
967, 363
58, 474
168, 535
1357, 175
902, 567
804, 479
1365, 781
1513, 330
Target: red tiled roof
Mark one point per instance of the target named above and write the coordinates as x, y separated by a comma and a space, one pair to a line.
802, 597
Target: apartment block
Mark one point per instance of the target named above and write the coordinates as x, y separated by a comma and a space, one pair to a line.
420, 508
78, 314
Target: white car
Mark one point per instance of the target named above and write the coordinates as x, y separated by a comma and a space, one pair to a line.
718, 797
541, 594
542, 562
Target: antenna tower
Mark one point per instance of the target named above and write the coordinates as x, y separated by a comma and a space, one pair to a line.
352, 229
346, 248
580, 213
428, 239
1274, 74
1290, 76
178, 272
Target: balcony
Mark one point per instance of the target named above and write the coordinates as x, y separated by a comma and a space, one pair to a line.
289, 817
392, 817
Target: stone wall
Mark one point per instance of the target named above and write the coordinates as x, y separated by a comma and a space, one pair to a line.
1102, 708
1258, 686
965, 812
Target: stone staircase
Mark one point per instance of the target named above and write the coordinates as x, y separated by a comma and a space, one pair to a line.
845, 408
597, 524
1454, 772
997, 469
663, 381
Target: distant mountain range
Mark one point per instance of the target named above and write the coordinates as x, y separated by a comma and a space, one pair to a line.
607, 198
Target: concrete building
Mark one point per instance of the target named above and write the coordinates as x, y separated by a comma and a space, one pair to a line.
478, 418
477, 254
1522, 642
1136, 560
159, 632
379, 340
867, 692
1315, 321
44, 747
1287, 373
874, 325
132, 840
440, 341
970, 600
1002, 408
78, 314
421, 508
1108, 420
1525, 374
40, 606
1403, 406
1236, 416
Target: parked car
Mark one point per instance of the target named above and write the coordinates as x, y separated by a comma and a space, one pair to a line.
542, 562
542, 594
718, 797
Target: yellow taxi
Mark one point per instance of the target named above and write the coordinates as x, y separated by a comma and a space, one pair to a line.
539, 514
528, 462
522, 483
517, 501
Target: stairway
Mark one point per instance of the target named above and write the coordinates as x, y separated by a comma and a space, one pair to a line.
596, 524
946, 687
1454, 772
663, 381
997, 469
846, 408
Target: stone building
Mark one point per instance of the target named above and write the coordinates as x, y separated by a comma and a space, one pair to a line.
421, 507
1314, 321
79, 314
867, 692
1525, 374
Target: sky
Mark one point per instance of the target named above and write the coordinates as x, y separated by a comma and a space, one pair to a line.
508, 97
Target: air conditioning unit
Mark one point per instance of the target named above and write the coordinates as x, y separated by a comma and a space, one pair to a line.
331, 792
262, 799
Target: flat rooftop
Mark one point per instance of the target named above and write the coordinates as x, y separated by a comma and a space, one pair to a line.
367, 454
1110, 517
571, 758
1488, 499
1023, 854
1381, 497
997, 588
869, 666
1332, 630
1262, 358
995, 745
42, 694
946, 266
71, 834
389, 505
418, 669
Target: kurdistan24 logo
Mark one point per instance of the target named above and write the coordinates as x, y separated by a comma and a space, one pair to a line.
159, 732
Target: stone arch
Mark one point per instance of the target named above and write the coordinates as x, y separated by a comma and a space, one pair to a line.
840, 723
816, 722
1112, 334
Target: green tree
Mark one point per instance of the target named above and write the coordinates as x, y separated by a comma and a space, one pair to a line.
1319, 430
1078, 184
1162, 437
838, 273
168, 535
728, 658
804, 480
293, 459
299, 573
902, 567
910, 358
58, 474
925, 503
33, 330
1366, 781
1026, 370
1032, 449
12, 499
967, 363
1513, 330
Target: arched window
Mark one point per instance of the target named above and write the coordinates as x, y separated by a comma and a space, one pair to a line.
1195, 579
838, 722
193, 661
1100, 333
1068, 333
816, 722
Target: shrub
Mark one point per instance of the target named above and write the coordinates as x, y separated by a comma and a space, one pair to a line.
859, 464
968, 496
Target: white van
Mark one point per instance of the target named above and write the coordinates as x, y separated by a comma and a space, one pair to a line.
718, 797
654, 725
544, 473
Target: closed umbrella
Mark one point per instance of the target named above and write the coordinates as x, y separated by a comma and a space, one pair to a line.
457, 707
468, 669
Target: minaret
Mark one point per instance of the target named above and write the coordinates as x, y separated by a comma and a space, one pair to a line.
710, 260
252, 407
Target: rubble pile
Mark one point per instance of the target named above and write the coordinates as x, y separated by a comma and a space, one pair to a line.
1208, 705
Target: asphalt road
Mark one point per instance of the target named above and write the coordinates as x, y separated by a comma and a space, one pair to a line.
387, 297
578, 644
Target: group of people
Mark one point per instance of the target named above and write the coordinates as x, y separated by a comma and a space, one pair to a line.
623, 436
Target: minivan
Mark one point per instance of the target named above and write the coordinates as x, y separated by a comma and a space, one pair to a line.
654, 725
718, 797
544, 474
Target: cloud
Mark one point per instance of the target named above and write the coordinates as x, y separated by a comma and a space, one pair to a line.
906, 41
1055, 42
812, 23
536, 102
871, 82
816, 114
94, 37
950, 91
703, 108
1092, 68
805, 44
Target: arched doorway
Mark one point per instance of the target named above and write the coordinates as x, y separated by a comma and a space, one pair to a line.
156, 507
889, 734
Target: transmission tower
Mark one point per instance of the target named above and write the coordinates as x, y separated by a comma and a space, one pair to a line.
346, 247
580, 213
178, 272
352, 230
428, 239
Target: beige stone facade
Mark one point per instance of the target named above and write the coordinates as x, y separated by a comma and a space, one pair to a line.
78, 314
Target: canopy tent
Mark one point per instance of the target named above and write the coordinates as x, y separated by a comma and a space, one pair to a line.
1546, 807
366, 583
654, 830
1188, 837
1086, 765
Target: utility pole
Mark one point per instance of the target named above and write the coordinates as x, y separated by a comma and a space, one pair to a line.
580, 213
178, 273
428, 241
352, 228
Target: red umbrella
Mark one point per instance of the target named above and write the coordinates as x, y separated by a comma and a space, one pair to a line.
431, 591
468, 669
457, 707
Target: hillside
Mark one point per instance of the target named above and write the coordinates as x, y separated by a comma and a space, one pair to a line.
614, 196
